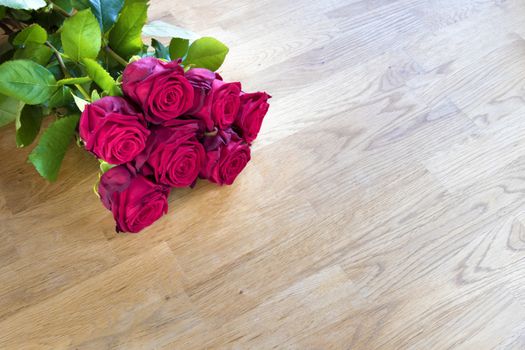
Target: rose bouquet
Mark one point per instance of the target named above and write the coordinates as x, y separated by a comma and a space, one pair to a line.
156, 117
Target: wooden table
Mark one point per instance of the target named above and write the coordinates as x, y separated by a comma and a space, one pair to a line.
383, 207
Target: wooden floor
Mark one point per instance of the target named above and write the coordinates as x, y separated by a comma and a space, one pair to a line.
384, 207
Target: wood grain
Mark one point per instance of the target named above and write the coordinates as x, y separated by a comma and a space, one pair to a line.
384, 207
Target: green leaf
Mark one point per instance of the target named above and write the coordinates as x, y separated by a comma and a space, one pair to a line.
38, 53
28, 125
94, 96
207, 53
125, 37
61, 97
178, 48
23, 4
66, 5
2, 12
106, 12
26, 81
51, 149
161, 51
80, 4
32, 34
73, 81
81, 37
9, 109
100, 76
81, 103
166, 30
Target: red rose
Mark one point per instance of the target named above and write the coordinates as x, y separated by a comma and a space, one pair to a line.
113, 130
173, 156
226, 156
216, 102
251, 114
135, 201
160, 88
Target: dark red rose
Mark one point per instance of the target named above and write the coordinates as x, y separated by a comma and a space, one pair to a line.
216, 102
113, 130
159, 87
135, 201
251, 114
173, 156
226, 156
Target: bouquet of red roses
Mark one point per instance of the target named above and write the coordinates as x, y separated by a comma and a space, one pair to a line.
170, 128
156, 117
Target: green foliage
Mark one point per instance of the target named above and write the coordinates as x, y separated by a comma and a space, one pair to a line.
28, 125
10, 109
179, 48
23, 4
161, 51
35, 52
80, 4
81, 36
26, 81
94, 96
47, 156
73, 81
32, 34
125, 37
67, 5
101, 77
61, 97
106, 12
207, 53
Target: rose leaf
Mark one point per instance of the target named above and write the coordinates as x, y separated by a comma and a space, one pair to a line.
179, 47
26, 81
28, 125
81, 36
47, 156
207, 53
125, 37
106, 12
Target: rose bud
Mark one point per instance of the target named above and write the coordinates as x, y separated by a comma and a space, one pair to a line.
135, 201
251, 114
160, 88
216, 102
173, 155
226, 156
113, 130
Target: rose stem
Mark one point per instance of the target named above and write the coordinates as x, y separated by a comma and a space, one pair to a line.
115, 56
65, 71
60, 10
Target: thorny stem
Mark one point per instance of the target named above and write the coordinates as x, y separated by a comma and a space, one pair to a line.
65, 71
59, 59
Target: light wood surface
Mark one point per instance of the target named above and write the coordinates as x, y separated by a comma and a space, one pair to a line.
383, 208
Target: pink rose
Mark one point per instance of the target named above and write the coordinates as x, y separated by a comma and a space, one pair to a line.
251, 114
135, 201
159, 87
226, 156
216, 102
113, 130
173, 156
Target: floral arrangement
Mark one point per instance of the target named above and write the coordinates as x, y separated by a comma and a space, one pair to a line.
157, 117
